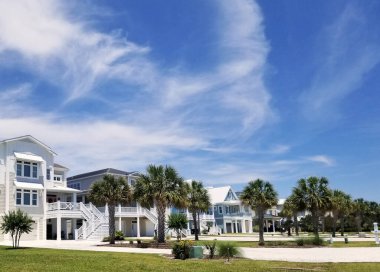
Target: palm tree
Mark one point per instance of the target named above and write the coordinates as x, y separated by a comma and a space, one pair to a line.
314, 195
110, 191
160, 187
359, 208
340, 208
293, 204
198, 201
259, 195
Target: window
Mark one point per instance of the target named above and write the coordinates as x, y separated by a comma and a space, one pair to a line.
75, 185
27, 169
48, 174
58, 178
26, 197
220, 210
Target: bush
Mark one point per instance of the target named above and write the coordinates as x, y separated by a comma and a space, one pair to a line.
106, 239
119, 235
315, 241
211, 247
181, 249
131, 242
227, 250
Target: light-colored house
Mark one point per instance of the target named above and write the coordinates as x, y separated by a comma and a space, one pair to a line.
133, 220
231, 216
31, 181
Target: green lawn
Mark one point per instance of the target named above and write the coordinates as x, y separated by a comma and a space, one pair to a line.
293, 244
34, 259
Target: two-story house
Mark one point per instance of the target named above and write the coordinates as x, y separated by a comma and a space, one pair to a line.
30, 180
132, 219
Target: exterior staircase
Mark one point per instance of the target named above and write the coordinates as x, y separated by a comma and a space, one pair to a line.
95, 226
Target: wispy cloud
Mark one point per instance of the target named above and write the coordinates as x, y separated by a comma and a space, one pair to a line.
326, 160
346, 53
175, 110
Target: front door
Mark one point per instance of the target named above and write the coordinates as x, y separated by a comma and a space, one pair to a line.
134, 228
49, 232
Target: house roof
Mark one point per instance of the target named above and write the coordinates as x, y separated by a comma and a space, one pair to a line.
31, 138
218, 194
56, 165
101, 172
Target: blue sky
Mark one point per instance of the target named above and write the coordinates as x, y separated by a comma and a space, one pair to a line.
225, 91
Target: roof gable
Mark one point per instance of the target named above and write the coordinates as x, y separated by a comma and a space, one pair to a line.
221, 194
31, 139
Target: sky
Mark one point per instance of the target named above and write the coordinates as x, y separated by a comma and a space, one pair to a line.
224, 91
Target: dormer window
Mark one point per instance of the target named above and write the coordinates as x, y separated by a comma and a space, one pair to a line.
27, 169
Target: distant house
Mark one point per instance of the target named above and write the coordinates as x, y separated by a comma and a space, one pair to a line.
132, 220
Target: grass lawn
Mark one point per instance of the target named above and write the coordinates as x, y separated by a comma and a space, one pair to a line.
294, 244
35, 259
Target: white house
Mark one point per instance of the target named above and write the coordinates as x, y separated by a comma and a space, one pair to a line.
132, 219
30, 180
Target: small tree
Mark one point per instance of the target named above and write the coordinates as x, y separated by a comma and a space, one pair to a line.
177, 222
16, 223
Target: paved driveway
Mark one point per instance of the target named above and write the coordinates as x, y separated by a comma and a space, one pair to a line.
364, 254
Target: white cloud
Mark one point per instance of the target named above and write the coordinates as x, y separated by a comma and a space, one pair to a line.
53, 42
346, 53
322, 159
87, 145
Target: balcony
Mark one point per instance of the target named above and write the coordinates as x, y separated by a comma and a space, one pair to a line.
64, 209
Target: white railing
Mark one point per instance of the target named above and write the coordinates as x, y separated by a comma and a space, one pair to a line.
128, 209
151, 215
63, 206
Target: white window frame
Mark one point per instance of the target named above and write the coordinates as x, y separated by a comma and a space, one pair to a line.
58, 178
32, 193
33, 172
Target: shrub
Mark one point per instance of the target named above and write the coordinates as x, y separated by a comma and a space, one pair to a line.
131, 242
119, 235
204, 231
315, 241
211, 247
181, 249
300, 242
227, 250
106, 239
16, 223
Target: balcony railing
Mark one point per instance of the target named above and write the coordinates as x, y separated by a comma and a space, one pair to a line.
63, 206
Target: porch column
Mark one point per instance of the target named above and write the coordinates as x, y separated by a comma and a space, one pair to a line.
73, 227
250, 228
236, 227
138, 226
74, 198
59, 227
274, 225
119, 210
243, 230
266, 224
225, 226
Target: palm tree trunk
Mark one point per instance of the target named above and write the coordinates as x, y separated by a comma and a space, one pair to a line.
195, 225
358, 223
296, 223
261, 227
111, 222
199, 224
161, 223
316, 225
335, 219
342, 226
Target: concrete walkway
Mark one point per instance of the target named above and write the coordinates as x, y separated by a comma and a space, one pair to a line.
365, 254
